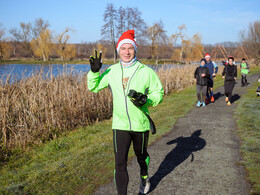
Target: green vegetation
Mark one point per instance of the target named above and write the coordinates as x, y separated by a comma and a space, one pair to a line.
82, 160
247, 115
37, 109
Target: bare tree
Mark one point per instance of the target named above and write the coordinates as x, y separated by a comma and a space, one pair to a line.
196, 47
108, 29
135, 21
23, 35
63, 47
4, 46
157, 36
2, 32
39, 26
178, 35
251, 40
121, 21
27, 32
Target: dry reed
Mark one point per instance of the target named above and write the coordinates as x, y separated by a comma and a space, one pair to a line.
37, 109
40, 107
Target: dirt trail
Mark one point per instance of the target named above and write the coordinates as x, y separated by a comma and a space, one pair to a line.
199, 156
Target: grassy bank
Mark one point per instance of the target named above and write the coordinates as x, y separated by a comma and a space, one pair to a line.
247, 115
80, 161
37, 109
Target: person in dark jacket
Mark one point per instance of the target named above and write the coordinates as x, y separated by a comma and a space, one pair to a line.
201, 76
230, 75
226, 62
213, 69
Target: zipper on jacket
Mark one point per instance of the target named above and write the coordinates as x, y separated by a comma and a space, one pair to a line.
126, 95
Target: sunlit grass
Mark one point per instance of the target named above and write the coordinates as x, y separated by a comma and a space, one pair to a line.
247, 116
81, 160
39, 108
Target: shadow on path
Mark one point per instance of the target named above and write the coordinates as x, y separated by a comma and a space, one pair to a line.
217, 96
235, 97
184, 148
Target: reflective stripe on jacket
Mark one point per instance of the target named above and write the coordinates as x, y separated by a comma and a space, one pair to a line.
126, 116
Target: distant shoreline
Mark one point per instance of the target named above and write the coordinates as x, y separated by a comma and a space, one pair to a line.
105, 62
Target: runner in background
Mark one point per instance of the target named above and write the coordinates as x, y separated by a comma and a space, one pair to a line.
201, 76
244, 72
230, 75
226, 62
213, 69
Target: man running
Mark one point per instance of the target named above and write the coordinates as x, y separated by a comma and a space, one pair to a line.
213, 69
230, 75
244, 72
130, 123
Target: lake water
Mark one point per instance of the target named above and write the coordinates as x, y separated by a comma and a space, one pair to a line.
18, 71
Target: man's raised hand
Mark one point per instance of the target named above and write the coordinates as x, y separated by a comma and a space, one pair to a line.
96, 62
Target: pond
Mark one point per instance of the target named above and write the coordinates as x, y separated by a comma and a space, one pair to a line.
19, 71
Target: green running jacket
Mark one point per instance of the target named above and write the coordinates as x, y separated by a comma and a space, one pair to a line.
126, 116
244, 68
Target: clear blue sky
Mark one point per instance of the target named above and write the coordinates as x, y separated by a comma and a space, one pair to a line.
214, 20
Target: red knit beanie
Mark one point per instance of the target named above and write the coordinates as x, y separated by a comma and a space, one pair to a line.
127, 37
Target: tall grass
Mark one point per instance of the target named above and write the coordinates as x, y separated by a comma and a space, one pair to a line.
175, 79
41, 107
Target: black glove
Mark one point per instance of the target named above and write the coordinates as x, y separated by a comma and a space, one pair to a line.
95, 62
137, 98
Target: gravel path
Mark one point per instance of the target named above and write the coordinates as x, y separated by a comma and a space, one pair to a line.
199, 156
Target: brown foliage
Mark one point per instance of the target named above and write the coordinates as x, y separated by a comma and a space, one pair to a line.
42, 45
157, 35
103, 49
4, 50
37, 109
4, 46
176, 79
64, 50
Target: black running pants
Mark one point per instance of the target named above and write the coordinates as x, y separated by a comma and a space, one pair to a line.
229, 86
122, 141
243, 80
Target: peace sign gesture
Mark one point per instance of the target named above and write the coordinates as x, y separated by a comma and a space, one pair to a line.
96, 62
